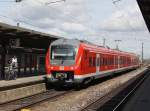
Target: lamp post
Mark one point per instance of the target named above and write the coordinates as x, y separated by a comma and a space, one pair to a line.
117, 42
115, 1
54, 2
18, 1
142, 52
104, 42
45, 3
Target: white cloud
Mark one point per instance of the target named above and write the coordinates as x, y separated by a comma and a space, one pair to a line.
73, 19
127, 19
73, 27
69, 16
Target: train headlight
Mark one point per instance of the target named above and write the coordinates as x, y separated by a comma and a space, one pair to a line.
72, 68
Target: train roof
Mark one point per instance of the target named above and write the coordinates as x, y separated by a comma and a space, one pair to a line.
66, 41
107, 50
90, 46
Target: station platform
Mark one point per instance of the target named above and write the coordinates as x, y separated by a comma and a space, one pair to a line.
20, 81
140, 101
21, 87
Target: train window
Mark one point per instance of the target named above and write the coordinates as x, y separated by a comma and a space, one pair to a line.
98, 62
117, 60
94, 61
90, 61
105, 61
101, 61
85, 54
108, 61
111, 61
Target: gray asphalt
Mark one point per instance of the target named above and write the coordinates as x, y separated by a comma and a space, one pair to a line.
140, 101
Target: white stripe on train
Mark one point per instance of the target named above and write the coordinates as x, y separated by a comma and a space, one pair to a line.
103, 73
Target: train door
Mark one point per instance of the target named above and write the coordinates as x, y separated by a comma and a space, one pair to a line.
97, 63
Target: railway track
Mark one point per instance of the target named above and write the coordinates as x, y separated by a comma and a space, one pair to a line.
27, 102
114, 101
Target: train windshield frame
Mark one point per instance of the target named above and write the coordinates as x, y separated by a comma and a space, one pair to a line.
63, 52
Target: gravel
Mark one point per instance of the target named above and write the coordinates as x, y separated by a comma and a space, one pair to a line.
77, 100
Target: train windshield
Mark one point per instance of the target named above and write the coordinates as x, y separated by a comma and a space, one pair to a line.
62, 52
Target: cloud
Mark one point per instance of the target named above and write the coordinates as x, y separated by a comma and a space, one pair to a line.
127, 19
67, 17
73, 27
92, 22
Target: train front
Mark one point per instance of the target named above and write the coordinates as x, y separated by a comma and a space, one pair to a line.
61, 61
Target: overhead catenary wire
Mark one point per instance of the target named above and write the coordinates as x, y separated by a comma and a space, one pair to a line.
47, 3
122, 14
5, 1
25, 19
19, 21
133, 30
41, 3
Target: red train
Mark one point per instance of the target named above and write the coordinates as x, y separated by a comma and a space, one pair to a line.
74, 61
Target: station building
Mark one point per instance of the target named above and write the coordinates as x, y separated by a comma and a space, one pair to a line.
28, 46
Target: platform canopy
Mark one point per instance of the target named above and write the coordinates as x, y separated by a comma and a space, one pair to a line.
145, 9
28, 45
15, 31
23, 37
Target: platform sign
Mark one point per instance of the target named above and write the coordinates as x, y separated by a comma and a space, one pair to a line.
14, 42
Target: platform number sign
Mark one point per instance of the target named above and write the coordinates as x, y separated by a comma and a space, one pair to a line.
14, 42
25, 110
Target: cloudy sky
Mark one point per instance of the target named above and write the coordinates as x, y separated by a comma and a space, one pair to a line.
92, 20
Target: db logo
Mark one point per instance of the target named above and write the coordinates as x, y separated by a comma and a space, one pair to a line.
61, 67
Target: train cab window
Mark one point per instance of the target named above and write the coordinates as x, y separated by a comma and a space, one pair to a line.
65, 52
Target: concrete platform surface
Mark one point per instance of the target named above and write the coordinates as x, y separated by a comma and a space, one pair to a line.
140, 101
6, 83
21, 87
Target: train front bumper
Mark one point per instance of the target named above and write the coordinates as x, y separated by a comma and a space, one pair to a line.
52, 80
